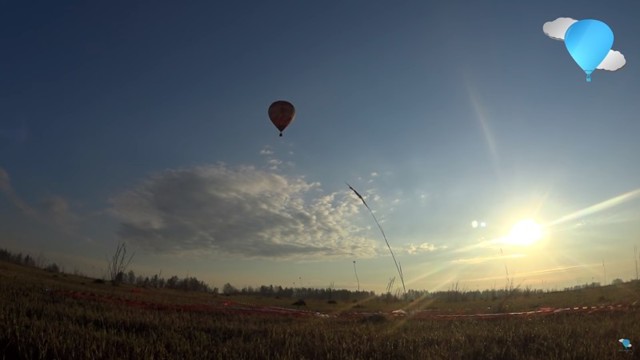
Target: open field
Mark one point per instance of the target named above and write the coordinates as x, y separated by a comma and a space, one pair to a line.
63, 316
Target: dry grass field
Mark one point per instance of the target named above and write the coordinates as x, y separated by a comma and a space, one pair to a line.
62, 316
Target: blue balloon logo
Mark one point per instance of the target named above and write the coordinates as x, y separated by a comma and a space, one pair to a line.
588, 42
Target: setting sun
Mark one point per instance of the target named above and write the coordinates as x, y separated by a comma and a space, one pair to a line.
524, 232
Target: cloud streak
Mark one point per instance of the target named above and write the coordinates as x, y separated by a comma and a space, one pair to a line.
7, 189
53, 211
56, 209
480, 260
414, 249
240, 211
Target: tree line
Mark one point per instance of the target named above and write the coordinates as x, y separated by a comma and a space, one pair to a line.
29, 260
119, 275
155, 281
328, 293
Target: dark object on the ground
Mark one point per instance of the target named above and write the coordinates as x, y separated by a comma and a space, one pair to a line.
375, 318
331, 302
98, 281
300, 303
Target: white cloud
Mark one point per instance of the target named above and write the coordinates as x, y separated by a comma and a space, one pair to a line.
413, 249
242, 211
272, 161
614, 61
274, 164
557, 28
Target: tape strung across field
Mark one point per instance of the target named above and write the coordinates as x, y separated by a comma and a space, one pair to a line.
231, 307
540, 311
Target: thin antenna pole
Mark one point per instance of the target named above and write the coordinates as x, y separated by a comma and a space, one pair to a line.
356, 272
506, 270
635, 257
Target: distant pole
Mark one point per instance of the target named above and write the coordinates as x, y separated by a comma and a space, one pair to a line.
356, 272
604, 273
635, 257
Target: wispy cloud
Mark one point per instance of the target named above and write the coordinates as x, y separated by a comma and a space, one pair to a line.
554, 270
54, 210
243, 211
414, 249
596, 208
57, 210
266, 151
274, 162
483, 259
9, 192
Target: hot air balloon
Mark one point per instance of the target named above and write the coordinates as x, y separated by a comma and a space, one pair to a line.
281, 114
588, 42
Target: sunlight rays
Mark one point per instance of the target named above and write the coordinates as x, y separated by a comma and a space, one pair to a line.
593, 209
488, 135
524, 275
483, 259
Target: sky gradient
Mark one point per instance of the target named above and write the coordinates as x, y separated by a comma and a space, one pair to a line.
147, 122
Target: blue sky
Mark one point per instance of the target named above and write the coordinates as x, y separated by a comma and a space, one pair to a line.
147, 123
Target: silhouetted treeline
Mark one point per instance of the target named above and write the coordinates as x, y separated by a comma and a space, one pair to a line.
592, 285
452, 295
193, 284
297, 292
28, 260
488, 295
174, 282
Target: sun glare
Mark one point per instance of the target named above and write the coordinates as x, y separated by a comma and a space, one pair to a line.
525, 232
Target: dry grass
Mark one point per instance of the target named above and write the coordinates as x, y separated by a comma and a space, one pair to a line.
46, 324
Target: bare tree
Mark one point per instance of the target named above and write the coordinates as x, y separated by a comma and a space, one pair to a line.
117, 265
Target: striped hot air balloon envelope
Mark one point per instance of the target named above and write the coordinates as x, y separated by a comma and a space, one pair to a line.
281, 114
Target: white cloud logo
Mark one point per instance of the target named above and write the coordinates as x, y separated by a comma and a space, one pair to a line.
614, 61
557, 28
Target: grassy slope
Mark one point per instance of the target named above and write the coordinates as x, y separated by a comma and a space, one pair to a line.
37, 324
